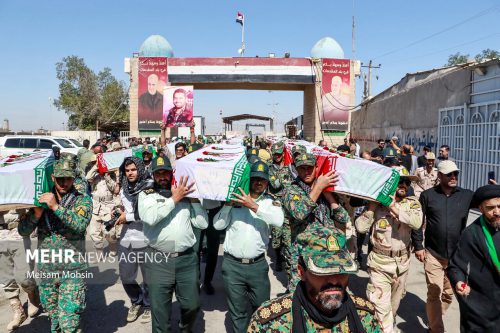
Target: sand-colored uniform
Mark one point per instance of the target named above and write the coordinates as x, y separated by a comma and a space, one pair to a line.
425, 180
389, 260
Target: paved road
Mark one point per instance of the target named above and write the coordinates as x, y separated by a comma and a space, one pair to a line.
107, 305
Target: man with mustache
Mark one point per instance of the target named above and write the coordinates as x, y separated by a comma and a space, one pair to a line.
389, 260
308, 206
244, 268
474, 269
169, 218
320, 302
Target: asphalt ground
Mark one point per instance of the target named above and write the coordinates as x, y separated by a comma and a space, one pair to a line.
107, 304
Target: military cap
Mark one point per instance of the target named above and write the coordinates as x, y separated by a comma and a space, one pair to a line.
64, 167
298, 149
403, 173
305, 159
253, 158
259, 169
277, 148
324, 252
430, 156
160, 163
484, 193
253, 151
195, 147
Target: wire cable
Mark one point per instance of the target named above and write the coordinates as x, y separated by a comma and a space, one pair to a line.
473, 17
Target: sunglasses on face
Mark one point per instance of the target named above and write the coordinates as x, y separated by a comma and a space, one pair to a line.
454, 173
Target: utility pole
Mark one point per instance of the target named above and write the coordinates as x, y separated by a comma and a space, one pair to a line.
368, 90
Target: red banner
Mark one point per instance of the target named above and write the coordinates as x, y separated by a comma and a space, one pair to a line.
152, 80
336, 94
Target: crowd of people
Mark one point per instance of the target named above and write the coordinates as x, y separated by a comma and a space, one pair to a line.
317, 236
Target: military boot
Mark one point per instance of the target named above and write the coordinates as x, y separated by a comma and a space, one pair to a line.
19, 315
34, 306
29, 286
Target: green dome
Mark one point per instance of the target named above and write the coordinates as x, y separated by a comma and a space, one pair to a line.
156, 46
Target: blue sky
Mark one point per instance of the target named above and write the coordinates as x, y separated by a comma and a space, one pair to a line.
36, 34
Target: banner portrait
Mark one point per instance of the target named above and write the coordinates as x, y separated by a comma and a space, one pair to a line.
178, 106
152, 79
337, 94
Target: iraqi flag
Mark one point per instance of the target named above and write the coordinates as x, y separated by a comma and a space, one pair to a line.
240, 18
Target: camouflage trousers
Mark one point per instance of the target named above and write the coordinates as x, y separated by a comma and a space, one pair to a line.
64, 300
293, 276
281, 236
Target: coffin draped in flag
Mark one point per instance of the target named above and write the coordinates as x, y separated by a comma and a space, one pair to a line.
357, 177
216, 170
113, 160
24, 178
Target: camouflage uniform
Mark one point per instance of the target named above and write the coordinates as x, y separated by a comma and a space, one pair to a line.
324, 253
102, 202
389, 260
63, 297
301, 211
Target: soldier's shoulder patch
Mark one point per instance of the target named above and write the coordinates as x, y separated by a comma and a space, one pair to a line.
363, 304
149, 191
274, 308
414, 203
80, 210
295, 197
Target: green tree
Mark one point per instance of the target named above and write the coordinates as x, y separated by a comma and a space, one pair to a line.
487, 54
87, 97
457, 58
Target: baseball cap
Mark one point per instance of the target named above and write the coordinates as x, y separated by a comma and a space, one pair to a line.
305, 159
259, 169
160, 163
325, 253
395, 138
403, 173
447, 166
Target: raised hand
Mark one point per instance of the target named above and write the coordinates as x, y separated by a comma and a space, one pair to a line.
182, 189
244, 200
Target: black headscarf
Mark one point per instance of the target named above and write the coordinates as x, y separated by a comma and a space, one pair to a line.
143, 182
346, 310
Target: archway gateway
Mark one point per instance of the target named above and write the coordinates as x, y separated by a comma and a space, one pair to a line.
296, 74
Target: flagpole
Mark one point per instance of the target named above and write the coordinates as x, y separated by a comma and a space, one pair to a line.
243, 37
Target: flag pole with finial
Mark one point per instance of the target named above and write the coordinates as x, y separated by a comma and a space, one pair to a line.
241, 20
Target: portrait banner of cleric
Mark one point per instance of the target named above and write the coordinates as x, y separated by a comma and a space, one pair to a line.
178, 106
151, 102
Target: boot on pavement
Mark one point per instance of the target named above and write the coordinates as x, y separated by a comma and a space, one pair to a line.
19, 315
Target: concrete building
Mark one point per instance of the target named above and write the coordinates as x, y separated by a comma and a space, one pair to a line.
458, 106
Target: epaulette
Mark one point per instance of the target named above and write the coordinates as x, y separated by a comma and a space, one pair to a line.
363, 304
149, 191
274, 308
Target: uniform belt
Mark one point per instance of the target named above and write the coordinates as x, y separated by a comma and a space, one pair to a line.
244, 261
391, 253
175, 254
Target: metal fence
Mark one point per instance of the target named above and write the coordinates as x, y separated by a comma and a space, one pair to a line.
124, 135
473, 134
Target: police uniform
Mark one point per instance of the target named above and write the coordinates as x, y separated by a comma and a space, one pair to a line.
63, 297
389, 260
280, 177
244, 268
168, 228
103, 204
305, 214
324, 253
